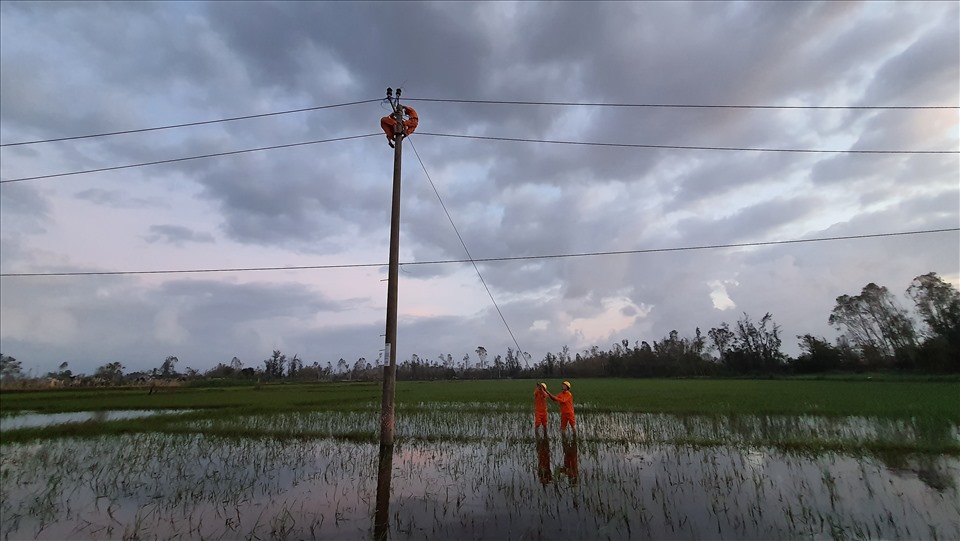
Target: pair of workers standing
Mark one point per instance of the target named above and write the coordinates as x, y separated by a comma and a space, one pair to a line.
565, 400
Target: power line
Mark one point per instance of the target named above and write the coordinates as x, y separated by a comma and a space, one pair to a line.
488, 102
680, 147
495, 259
489, 138
685, 106
202, 156
187, 124
465, 249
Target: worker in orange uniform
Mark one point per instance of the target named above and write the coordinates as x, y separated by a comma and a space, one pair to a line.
409, 125
565, 399
540, 395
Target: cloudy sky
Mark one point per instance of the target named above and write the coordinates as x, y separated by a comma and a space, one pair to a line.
70, 69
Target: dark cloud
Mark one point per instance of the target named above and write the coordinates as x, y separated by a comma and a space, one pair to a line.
355, 39
745, 224
108, 318
176, 235
716, 175
314, 203
116, 199
86, 68
23, 210
927, 71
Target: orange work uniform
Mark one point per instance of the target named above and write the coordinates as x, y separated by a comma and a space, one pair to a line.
540, 407
387, 123
565, 399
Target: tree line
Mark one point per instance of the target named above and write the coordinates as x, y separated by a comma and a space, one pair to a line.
876, 333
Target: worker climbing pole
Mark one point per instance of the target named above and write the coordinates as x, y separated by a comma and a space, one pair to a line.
390, 123
398, 125
401, 123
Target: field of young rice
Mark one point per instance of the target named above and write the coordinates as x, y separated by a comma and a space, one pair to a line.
474, 470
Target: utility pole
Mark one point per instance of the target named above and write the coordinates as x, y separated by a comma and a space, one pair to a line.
381, 521
390, 343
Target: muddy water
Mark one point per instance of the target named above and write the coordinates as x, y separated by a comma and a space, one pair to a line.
156, 486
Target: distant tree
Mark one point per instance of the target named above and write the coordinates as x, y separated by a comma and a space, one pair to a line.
760, 343
699, 344
10, 368
512, 364
110, 372
749, 348
341, 366
294, 366
563, 358
236, 364
220, 371
273, 367
167, 369
673, 356
722, 338
549, 364
358, 368
63, 372
482, 356
875, 322
817, 355
938, 304
643, 361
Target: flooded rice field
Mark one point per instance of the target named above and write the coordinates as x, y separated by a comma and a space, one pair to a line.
38, 420
477, 472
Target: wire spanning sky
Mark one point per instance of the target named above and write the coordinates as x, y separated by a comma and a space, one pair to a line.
482, 70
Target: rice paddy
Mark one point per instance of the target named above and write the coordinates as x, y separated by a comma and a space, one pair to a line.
472, 469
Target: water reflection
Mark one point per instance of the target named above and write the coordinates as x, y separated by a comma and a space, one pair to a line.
571, 463
40, 420
544, 466
381, 519
166, 486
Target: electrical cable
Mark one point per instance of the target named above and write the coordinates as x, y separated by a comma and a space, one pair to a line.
187, 124
495, 259
492, 138
129, 166
470, 257
685, 106
486, 102
680, 147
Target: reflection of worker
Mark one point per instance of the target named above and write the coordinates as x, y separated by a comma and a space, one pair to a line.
565, 399
543, 460
388, 123
540, 395
571, 466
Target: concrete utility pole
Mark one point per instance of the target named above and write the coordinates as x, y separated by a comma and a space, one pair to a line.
390, 343
381, 521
